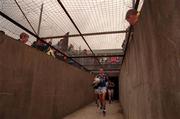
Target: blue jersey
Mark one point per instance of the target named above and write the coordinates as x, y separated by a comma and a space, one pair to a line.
103, 80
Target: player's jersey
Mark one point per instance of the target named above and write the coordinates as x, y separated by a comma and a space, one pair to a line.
103, 80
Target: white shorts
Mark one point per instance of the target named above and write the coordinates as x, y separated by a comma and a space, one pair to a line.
102, 90
110, 91
96, 91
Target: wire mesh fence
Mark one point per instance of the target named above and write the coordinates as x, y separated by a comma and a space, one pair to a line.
90, 16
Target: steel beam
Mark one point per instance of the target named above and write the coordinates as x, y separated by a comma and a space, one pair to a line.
17, 24
90, 56
137, 4
61, 4
40, 19
88, 65
25, 29
105, 69
25, 16
87, 34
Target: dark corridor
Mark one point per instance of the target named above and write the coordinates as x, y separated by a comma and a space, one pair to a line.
116, 88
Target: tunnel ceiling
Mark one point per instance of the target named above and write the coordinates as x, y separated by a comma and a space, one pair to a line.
99, 26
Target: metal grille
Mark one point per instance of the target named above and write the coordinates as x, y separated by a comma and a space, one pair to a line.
102, 19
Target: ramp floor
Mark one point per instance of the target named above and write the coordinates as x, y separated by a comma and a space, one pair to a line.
92, 112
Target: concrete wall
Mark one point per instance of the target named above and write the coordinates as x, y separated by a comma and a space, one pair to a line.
34, 85
150, 75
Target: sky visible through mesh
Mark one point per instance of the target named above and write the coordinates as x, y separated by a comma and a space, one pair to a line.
90, 16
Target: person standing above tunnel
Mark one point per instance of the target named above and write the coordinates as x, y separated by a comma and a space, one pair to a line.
50, 51
132, 16
40, 46
23, 37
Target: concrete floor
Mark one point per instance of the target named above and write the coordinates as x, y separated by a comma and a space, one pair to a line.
92, 112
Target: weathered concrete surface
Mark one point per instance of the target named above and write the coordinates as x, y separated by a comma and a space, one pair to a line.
34, 85
92, 112
150, 75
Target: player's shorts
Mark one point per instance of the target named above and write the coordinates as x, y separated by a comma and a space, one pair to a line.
102, 90
96, 91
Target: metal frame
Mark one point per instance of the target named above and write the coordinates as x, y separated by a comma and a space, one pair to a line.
86, 65
117, 69
90, 56
25, 16
61, 4
75, 35
25, 29
87, 34
40, 19
17, 24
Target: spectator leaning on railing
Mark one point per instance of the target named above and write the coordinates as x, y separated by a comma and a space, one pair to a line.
24, 37
132, 16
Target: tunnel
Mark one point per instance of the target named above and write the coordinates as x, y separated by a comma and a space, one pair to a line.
143, 63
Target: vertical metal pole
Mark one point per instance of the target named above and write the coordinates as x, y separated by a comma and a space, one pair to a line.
136, 4
133, 3
61, 4
25, 16
40, 20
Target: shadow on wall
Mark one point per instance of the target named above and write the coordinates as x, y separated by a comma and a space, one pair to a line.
149, 84
34, 85
115, 80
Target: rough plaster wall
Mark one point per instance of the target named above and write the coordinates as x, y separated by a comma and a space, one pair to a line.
150, 75
34, 85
